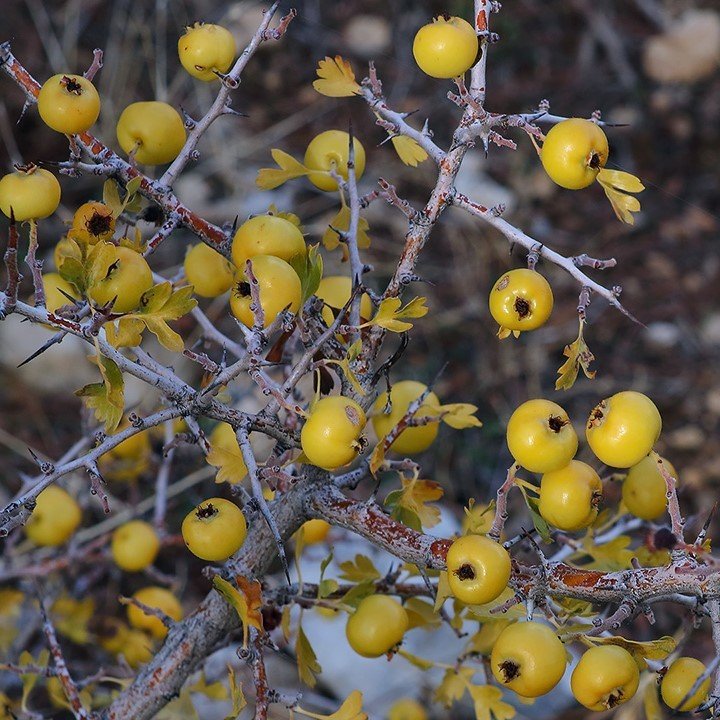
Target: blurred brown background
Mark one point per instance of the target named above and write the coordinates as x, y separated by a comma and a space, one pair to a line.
650, 66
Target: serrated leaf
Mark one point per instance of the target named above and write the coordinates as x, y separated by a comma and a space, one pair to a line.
453, 686
125, 332
408, 150
391, 316
107, 398
336, 78
329, 586
288, 168
578, 356
412, 498
285, 215
616, 185
308, 666
341, 221
228, 459
657, 649
246, 599
359, 569
160, 305
482, 642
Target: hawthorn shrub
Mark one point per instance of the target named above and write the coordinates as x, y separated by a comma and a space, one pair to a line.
281, 409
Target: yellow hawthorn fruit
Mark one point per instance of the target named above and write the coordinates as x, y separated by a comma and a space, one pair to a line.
679, 679
214, 530
478, 569
153, 131
446, 47
574, 152
315, 531
329, 151
569, 497
135, 545
31, 193
412, 440
528, 658
93, 222
407, 709
205, 49
540, 436
279, 287
69, 104
623, 429
377, 626
56, 291
606, 676
208, 271
644, 490
521, 300
126, 279
330, 435
55, 517
267, 235
335, 291
160, 599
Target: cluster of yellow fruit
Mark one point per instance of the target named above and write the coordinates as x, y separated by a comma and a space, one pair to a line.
621, 431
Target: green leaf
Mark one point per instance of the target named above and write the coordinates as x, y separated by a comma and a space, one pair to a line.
308, 666
107, 398
326, 587
541, 526
358, 592
309, 268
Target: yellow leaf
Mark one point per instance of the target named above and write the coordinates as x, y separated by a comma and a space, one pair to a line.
10, 608
29, 679
308, 666
236, 694
657, 649
458, 416
413, 498
417, 661
351, 709
285, 215
288, 168
422, 614
620, 180
612, 555
578, 356
359, 569
443, 590
482, 641
408, 150
107, 398
616, 184
337, 78
453, 686
214, 691
651, 703
483, 612
390, 314
488, 704
341, 221
230, 464
246, 599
